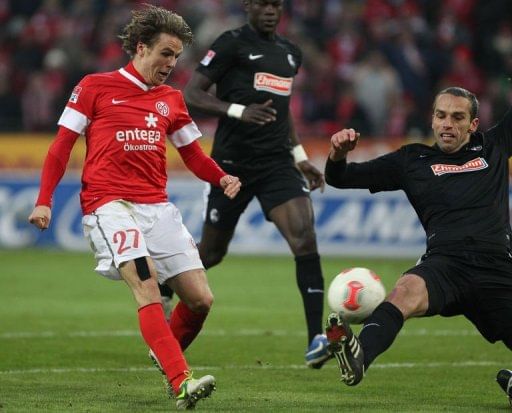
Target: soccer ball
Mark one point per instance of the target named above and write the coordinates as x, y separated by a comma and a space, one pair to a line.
355, 293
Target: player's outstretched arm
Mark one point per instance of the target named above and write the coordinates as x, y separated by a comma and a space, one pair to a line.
53, 170
198, 97
207, 169
342, 143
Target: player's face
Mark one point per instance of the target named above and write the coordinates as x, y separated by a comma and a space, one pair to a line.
156, 63
264, 15
451, 122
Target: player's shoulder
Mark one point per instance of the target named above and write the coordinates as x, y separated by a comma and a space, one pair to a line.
232, 35
287, 44
167, 92
103, 78
418, 149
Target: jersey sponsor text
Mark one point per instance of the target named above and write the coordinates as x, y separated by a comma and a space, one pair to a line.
470, 166
136, 136
273, 84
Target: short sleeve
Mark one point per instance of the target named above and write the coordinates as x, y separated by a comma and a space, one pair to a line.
182, 130
219, 58
79, 109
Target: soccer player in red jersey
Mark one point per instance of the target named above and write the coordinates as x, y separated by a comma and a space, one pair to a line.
136, 234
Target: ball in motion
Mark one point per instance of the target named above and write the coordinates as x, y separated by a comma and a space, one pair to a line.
355, 293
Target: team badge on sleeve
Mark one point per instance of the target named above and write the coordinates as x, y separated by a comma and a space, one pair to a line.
74, 95
210, 54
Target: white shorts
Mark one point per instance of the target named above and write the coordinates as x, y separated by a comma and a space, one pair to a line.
121, 231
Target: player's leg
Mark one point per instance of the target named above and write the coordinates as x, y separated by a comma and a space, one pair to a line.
504, 376
295, 221
166, 296
121, 252
178, 266
354, 355
195, 302
222, 215
141, 277
214, 244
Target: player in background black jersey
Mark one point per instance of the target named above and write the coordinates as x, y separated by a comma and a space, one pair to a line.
459, 187
253, 69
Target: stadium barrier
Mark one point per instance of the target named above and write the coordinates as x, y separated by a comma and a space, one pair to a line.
349, 222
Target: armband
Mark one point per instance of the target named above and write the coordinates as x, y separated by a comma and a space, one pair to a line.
299, 154
235, 110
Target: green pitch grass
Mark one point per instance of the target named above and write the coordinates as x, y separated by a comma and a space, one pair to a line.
69, 343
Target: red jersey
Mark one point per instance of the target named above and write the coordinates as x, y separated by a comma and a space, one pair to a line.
126, 123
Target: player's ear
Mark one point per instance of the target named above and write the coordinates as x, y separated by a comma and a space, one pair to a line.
141, 47
474, 125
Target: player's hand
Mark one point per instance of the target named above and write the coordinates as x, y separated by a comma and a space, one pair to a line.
231, 185
313, 175
259, 113
343, 142
40, 217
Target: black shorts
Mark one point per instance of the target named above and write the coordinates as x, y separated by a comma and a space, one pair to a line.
272, 186
476, 285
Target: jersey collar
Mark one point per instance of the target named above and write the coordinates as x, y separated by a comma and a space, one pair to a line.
133, 76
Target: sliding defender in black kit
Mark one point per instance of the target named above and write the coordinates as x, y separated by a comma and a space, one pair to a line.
459, 187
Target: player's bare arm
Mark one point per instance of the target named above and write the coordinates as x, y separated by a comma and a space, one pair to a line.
198, 97
231, 185
40, 217
342, 143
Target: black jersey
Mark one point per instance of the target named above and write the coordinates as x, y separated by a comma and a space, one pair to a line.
247, 68
463, 196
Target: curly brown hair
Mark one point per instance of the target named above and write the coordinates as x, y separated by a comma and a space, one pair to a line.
148, 23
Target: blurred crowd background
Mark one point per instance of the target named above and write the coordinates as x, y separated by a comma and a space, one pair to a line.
374, 65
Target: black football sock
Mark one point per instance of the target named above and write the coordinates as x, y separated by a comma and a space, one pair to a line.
311, 285
379, 331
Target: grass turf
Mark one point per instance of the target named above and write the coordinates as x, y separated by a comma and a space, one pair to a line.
69, 342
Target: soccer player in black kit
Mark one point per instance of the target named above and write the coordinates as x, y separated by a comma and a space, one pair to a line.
253, 70
459, 187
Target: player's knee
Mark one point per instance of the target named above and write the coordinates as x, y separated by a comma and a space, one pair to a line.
304, 244
410, 296
201, 304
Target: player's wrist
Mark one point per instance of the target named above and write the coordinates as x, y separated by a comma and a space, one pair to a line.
235, 110
299, 154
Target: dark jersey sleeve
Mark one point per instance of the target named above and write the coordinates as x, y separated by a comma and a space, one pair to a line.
384, 173
501, 133
297, 56
220, 57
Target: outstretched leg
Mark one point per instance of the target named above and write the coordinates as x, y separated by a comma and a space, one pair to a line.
408, 299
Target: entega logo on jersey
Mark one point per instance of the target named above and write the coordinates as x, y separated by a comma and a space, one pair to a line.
150, 136
273, 84
470, 166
